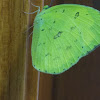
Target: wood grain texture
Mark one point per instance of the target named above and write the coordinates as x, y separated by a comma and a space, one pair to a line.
18, 79
13, 23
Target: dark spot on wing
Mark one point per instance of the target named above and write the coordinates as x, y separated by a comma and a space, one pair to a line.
47, 54
42, 30
39, 44
46, 71
58, 34
50, 28
54, 72
76, 15
63, 11
56, 11
44, 43
87, 51
54, 21
95, 46
41, 18
73, 27
82, 47
87, 14
75, 40
68, 47
34, 66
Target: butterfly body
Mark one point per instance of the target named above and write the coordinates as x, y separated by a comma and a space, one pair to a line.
62, 35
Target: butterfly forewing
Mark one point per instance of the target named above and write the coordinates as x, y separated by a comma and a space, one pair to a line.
62, 35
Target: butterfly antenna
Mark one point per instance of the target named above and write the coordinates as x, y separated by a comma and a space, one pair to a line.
30, 34
29, 28
51, 3
34, 6
31, 12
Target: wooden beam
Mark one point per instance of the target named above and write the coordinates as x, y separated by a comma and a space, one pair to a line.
13, 22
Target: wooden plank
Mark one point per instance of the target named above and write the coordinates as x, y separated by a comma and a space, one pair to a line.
13, 23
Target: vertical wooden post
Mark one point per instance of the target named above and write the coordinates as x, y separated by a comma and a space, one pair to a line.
13, 23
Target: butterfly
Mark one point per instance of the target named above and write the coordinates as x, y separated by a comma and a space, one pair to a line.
62, 35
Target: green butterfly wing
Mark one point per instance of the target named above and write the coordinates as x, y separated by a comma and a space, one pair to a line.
62, 35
